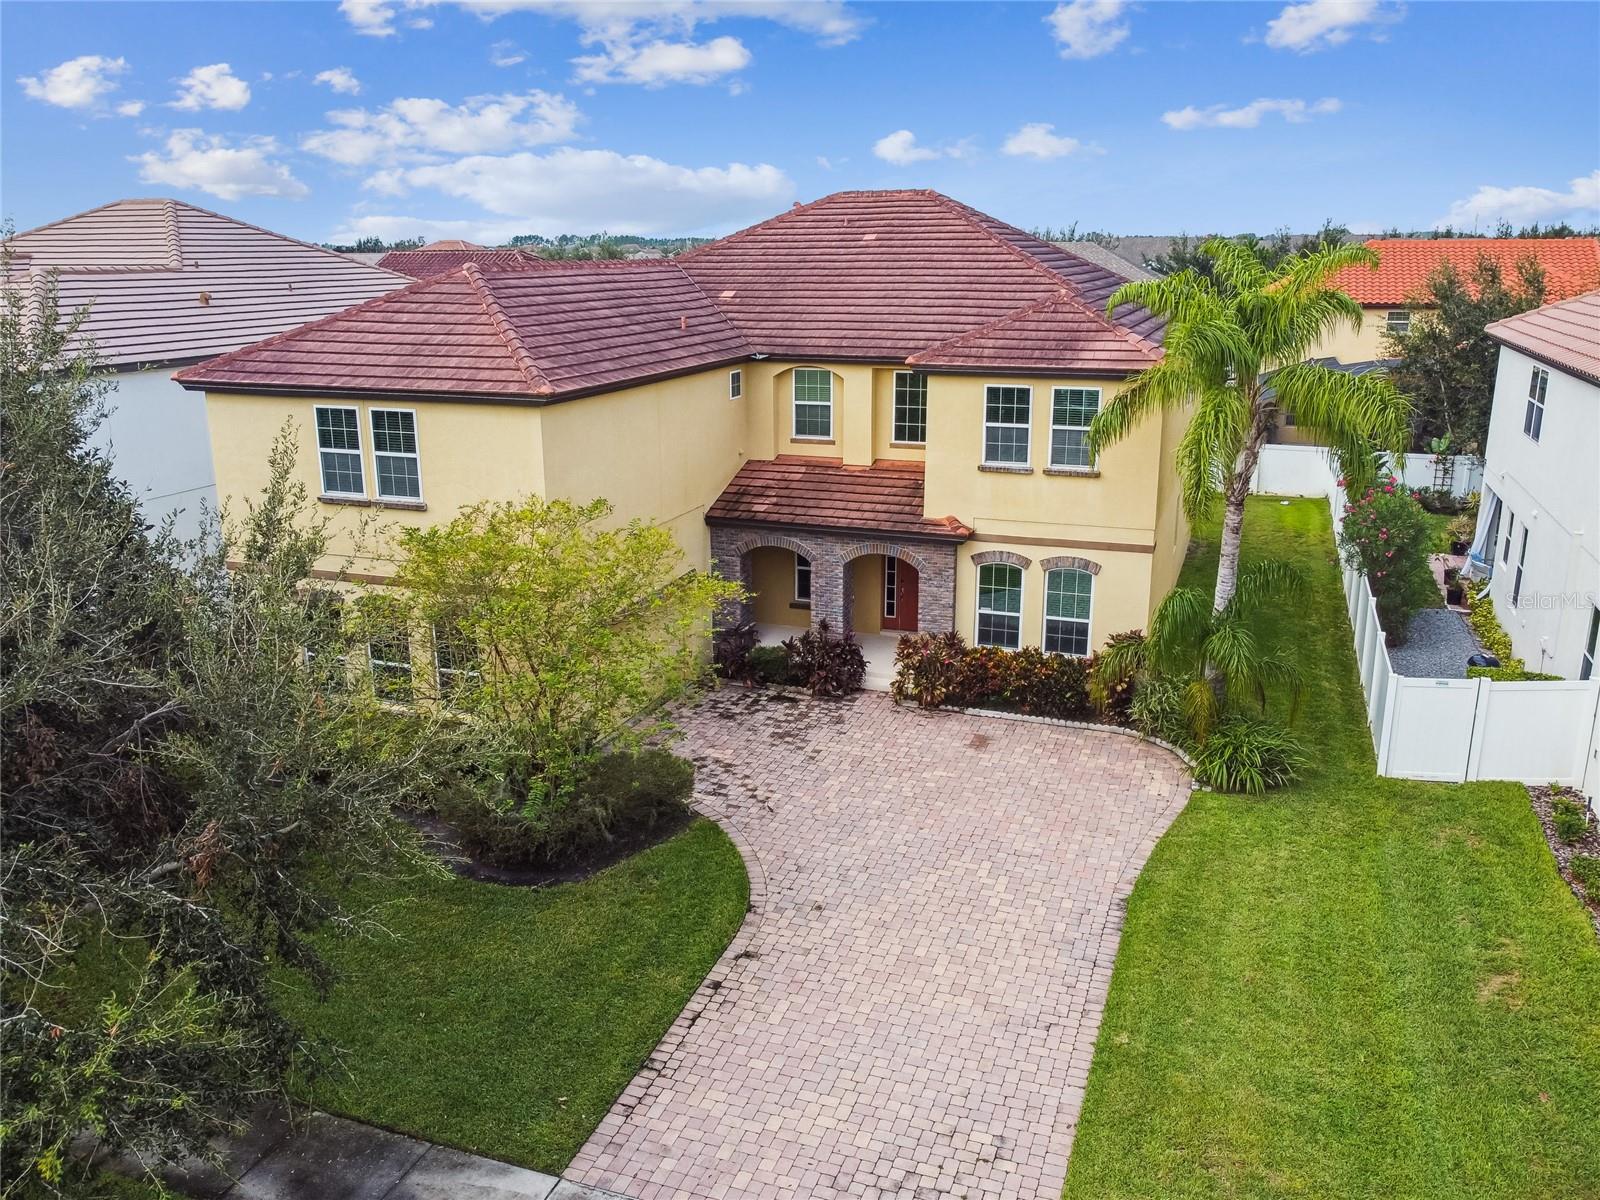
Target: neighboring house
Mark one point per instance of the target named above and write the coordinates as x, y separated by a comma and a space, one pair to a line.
1102, 255
1284, 431
870, 409
440, 258
168, 284
1539, 515
1389, 293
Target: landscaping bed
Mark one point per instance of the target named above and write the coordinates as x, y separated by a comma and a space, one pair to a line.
506, 1020
1577, 854
1354, 986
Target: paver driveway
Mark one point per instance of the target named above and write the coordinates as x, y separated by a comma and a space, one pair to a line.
911, 1005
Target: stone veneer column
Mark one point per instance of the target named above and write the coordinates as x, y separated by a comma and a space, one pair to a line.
729, 561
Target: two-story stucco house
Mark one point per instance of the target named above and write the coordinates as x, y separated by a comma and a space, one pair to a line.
871, 409
1539, 517
165, 284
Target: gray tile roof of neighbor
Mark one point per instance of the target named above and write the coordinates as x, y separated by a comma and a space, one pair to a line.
1109, 259
169, 282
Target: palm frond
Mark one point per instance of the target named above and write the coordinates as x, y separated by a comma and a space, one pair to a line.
1280, 672
1231, 649
1236, 264
1178, 629
1162, 386
1310, 271
1266, 580
1210, 446
1200, 708
1347, 409
1118, 664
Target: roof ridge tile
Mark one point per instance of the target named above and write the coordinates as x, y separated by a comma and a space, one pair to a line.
508, 332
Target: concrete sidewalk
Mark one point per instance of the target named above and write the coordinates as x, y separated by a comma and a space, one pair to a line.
329, 1158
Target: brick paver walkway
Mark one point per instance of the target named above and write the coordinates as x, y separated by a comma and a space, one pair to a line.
911, 1006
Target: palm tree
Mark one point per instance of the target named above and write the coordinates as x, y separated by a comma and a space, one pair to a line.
1225, 336
1212, 654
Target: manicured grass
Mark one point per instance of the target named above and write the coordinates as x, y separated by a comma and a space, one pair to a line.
506, 1020
1357, 987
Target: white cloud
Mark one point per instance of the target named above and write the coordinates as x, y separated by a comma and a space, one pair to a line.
506, 53
831, 21
210, 163
340, 79
1525, 204
1321, 24
1039, 140
409, 128
1249, 116
658, 63
214, 86
77, 83
130, 108
901, 149
570, 189
1088, 28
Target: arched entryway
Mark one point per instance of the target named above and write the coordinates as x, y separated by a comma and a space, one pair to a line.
884, 586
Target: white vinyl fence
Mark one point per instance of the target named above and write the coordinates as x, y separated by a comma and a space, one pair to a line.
1291, 470
1451, 730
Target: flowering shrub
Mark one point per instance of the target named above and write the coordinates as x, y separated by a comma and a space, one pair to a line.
829, 666
938, 669
1385, 534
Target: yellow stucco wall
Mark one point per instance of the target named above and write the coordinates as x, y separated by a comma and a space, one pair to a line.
866, 581
1122, 590
1363, 345
772, 579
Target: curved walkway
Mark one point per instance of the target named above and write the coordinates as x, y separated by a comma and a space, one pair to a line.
911, 1006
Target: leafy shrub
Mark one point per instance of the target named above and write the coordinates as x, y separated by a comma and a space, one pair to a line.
1112, 687
829, 666
731, 650
1386, 535
1439, 500
1157, 710
1486, 628
940, 669
769, 664
1507, 674
1585, 869
622, 795
1570, 818
1247, 753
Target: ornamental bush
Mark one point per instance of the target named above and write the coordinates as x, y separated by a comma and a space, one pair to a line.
827, 665
939, 670
1386, 535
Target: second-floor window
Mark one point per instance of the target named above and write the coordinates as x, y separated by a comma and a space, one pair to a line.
1533, 416
1586, 667
1522, 561
1071, 410
735, 384
1398, 320
394, 454
1005, 425
910, 407
339, 451
813, 403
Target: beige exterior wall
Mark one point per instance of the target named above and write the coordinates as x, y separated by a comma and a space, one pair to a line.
1357, 345
866, 580
665, 451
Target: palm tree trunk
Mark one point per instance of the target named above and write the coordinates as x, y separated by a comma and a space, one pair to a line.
1235, 491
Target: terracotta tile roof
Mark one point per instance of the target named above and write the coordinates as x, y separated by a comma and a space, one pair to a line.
167, 281
885, 275
567, 329
443, 257
822, 493
1571, 265
1034, 337
1566, 335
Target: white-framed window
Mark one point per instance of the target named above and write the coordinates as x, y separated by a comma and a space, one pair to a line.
1522, 561
999, 606
394, 454
910, 407
813, 402
389, 659
735, 383
1068, 599
1511, 528
1586, 667
339, 452
457, 665
1398, 320
1071, 410
1006, 413
802, 579
1533, 416
891, 580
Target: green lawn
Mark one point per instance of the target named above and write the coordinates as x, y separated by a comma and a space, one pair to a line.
1358, 987
506, 1020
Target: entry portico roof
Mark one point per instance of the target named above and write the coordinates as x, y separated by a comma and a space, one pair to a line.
802, 492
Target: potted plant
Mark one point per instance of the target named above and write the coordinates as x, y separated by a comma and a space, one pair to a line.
1455, 594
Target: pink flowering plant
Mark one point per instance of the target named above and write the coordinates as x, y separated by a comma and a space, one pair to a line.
1385, 534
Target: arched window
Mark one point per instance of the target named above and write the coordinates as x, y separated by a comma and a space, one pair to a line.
999, 606
1068, 597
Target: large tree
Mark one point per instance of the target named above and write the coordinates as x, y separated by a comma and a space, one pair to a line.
1447, 363
182, 788
1225, 335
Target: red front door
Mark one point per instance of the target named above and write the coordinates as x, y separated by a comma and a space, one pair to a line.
899, 595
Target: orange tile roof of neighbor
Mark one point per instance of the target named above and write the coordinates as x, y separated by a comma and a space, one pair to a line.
1566, 335
823, 493
169, 282
856, 276
1571, 265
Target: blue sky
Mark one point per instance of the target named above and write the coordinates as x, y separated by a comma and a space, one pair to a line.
441, 118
